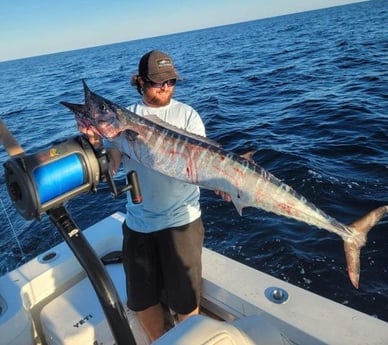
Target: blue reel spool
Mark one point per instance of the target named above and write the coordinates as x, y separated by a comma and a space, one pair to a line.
41, 181
59, 177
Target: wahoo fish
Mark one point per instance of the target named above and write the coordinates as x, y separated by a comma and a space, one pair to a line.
198, 160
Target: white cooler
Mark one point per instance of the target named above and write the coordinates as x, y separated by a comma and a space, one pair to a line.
76, 316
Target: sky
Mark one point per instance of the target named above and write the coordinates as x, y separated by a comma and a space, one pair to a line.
38, 27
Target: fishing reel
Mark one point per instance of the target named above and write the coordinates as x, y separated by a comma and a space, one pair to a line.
39, 182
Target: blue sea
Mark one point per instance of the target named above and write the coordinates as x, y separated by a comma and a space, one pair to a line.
308, 92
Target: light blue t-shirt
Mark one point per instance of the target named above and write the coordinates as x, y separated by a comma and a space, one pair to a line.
167, 202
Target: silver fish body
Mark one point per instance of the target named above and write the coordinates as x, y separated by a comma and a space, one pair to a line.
198, 160
208, 166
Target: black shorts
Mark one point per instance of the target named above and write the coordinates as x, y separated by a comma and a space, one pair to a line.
166, 261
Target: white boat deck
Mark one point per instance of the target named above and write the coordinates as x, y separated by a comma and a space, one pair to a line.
230, 290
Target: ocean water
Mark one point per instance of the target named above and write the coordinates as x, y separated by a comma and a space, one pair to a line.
308, 92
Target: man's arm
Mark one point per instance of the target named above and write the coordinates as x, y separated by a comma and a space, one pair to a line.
114, 159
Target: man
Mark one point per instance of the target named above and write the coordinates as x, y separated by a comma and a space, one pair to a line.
163, 236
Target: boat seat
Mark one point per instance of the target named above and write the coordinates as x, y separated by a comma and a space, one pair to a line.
202, 330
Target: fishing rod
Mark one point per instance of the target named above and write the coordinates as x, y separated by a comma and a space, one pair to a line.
40, 183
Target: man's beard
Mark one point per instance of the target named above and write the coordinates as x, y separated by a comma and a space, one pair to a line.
160, 102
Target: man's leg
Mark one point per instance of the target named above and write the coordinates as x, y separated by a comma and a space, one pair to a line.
142, 281
152, 320
181, 250
182, 317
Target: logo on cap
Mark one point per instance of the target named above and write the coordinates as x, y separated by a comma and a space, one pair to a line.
164, 63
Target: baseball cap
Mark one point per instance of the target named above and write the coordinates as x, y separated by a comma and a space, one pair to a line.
157, 66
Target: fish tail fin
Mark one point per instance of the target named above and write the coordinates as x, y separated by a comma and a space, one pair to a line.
353, 245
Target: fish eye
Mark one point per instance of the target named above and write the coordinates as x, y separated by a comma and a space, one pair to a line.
103, 107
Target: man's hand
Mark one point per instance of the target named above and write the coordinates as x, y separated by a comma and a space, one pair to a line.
94, 138
224, 195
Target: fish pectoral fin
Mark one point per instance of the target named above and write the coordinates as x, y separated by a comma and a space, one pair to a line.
131, 135
353, 245
238, 204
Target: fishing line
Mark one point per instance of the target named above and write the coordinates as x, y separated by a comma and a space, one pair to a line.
13, 230
58, 177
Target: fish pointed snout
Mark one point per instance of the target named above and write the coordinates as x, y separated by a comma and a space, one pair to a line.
75, 108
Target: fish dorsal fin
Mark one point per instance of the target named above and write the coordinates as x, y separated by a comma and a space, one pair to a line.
249, 155
160, 122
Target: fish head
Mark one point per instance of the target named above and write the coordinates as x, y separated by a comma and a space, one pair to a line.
98, 114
